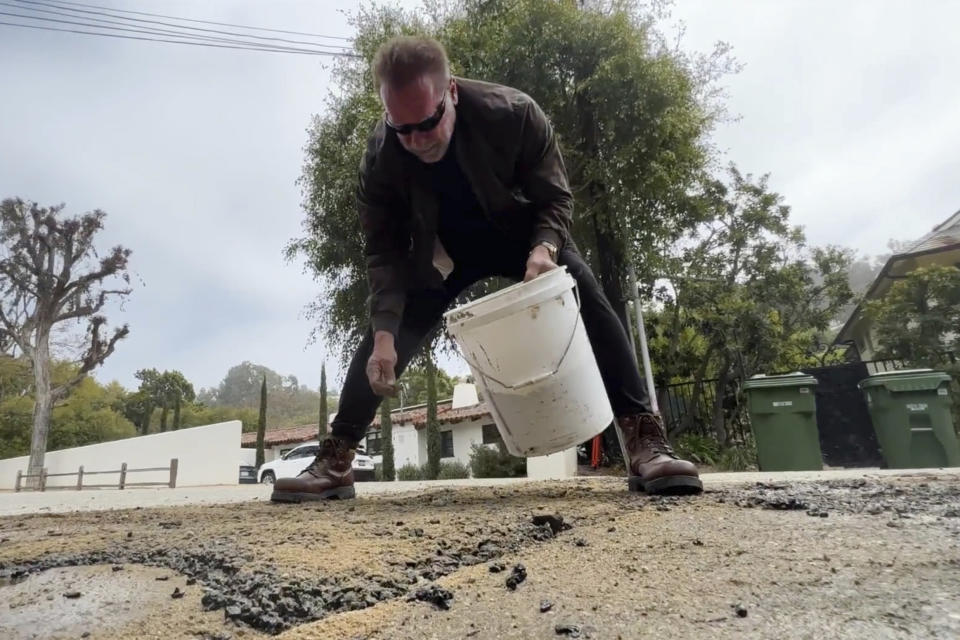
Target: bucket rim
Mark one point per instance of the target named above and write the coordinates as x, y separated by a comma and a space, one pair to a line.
559, 279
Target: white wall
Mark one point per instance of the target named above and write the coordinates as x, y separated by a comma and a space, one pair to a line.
465, 435
410, 445
562, 464
406, 446
207, 456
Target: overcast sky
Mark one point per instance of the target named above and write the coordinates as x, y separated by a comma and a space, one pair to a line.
194, 153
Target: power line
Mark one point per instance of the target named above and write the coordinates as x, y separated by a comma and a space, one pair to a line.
197, 44
185, 37
220, 24
59, 9
147, 30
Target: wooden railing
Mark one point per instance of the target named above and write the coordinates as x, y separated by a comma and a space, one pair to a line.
122, 484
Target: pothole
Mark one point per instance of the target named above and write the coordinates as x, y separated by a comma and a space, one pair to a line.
98, 600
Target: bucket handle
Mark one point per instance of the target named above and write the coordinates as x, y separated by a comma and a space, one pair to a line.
542, 376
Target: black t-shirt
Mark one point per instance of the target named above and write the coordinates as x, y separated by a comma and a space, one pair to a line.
462, 226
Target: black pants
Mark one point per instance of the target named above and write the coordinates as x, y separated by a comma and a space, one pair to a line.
424, 310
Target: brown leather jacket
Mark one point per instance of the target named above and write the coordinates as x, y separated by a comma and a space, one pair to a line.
508, 152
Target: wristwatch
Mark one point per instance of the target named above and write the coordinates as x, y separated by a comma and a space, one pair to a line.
551, 248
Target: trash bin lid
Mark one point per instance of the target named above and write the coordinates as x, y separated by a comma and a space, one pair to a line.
906, 380
795, 379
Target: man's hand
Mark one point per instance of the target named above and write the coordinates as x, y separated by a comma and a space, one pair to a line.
538, 262
381, 367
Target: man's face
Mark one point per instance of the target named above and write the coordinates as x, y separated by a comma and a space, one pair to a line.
415, 103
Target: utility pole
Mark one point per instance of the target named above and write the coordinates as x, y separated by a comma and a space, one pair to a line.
644, 352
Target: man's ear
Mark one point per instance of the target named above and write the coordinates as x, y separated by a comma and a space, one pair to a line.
454, 96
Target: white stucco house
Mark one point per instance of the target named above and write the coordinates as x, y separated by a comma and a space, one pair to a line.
464, 421
939, 247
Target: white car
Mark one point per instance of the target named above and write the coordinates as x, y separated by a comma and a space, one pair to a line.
296, 460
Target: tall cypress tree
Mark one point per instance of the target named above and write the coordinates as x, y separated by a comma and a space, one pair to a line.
176, 412
262, 421
322, 427
163, 415
386, 441
433, 427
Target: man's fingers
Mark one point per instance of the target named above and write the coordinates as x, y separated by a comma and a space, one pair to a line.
382, 379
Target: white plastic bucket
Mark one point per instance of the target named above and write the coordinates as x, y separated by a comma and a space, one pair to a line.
529, 353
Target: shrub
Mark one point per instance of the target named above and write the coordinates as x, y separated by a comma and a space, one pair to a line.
741, 457
697, 448
486, 462
409, 472
453, 470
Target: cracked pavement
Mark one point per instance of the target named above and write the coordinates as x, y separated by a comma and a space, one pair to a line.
852, 558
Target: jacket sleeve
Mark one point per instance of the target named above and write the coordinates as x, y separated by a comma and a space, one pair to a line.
386, 244
543, 177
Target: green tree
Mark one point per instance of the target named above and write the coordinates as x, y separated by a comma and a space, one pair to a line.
171, 389
918, 320
388, 467
291, 404
262, 422
91, 413
140, 405
324, 414
87, 417
51, 274
165, 390
241, 386
744, 295
433, 425
630, 111
16, 379
415, 383
195, 414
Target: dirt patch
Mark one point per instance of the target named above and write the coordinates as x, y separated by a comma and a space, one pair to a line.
845, 559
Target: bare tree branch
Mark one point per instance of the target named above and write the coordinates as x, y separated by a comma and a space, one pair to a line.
50, 273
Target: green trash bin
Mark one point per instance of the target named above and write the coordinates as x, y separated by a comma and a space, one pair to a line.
911, 416
783, 415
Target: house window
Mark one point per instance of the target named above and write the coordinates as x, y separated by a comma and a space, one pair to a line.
490, 434
446, 444
374, 444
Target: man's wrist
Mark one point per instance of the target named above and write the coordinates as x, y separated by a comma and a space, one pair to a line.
383, 338
546, 247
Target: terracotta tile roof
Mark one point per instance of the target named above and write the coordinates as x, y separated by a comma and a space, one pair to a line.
445, 415
287, 435
307, 432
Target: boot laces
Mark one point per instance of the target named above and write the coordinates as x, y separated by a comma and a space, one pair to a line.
328, 450
649, 436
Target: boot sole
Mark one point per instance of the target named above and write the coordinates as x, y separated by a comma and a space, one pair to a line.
668, 485
340, 493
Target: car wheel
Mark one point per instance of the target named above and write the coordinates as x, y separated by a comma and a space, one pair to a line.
267, 478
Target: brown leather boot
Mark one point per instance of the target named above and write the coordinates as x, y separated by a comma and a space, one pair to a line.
330, 475
654, 467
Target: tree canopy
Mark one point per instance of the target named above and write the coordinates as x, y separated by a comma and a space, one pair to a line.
630, 110
918, 320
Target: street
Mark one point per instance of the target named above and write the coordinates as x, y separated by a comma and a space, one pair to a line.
854, 557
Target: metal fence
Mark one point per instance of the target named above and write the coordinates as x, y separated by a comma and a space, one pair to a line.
686, 411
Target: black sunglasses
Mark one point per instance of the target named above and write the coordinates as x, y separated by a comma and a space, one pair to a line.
424, 125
